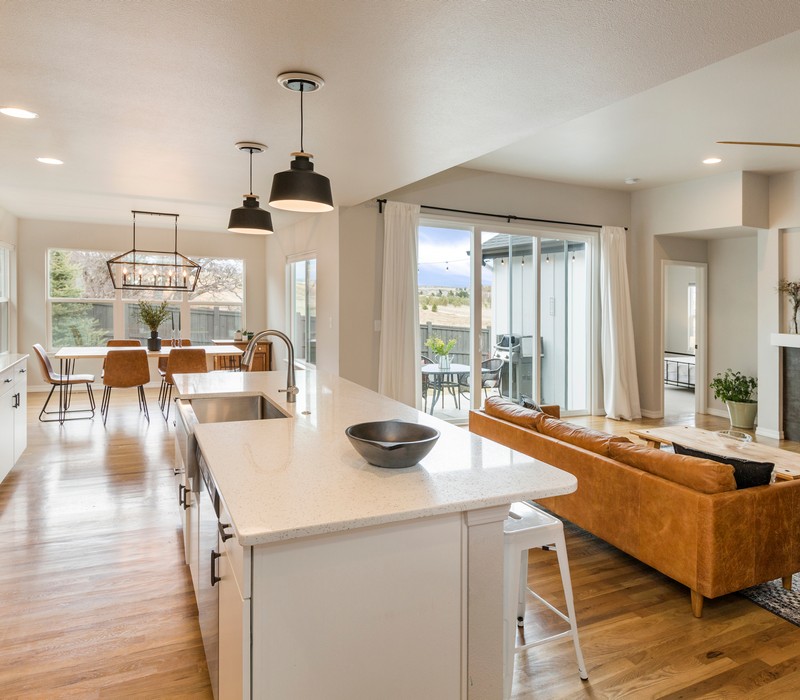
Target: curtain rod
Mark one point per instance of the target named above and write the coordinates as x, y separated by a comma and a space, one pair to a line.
508, 217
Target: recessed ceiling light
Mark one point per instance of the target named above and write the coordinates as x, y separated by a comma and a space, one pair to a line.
50, 161
712, 161
631, 180
18, 113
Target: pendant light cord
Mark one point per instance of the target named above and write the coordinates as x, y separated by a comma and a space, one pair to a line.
251, 171
302, 86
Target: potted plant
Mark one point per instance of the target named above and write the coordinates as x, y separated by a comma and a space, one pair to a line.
441, 349
736, 390
153, 316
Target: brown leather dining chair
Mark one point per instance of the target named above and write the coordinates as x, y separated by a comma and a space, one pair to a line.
181, 361
64, 383
125, 369
120, 343
162, 363
123, 343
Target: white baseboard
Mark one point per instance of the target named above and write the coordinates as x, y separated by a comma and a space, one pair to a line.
767, 432
722, 413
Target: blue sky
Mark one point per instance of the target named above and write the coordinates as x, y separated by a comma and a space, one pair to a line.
444, 259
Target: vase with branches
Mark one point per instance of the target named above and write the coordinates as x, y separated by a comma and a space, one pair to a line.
792, 290
441, 349
153, 315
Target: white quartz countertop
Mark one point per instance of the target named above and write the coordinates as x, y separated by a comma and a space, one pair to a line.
10, 360
295, 477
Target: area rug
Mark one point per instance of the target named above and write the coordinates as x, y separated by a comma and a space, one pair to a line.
774, 597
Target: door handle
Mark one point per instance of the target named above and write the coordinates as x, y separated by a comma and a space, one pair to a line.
214, 578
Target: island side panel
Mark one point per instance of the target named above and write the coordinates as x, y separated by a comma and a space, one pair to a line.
375, 612
485, 602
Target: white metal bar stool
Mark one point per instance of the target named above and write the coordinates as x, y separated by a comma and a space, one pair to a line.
527, 527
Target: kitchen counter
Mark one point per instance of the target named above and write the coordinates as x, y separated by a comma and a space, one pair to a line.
399, 571
10, 360
300, 476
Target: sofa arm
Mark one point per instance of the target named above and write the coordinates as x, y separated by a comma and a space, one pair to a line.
551, 410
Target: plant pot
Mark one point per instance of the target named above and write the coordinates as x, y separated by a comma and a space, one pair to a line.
742, 415
154, 342
444, 362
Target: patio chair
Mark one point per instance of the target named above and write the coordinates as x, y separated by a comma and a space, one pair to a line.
426, 381
490, 377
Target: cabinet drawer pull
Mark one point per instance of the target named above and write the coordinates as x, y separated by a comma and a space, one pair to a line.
224, 535
22, 371
8, 381
17, 401
214, 578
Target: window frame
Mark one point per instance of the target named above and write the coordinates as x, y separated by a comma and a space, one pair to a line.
120, 302
292, 260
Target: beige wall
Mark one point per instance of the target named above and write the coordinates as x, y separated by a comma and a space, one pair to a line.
733, 306
361, 236
36, 237
317, 236
9, 237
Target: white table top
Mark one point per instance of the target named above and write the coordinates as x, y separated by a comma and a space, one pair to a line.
92, 352
282, 479
453, 369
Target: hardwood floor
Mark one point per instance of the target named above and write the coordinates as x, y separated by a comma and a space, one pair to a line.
96, 602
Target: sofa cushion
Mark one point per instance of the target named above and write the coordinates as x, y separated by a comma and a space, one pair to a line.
501, 407
745, 472
592, 440
704, 475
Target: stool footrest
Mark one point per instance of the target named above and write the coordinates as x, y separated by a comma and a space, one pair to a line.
530, 645
548, 605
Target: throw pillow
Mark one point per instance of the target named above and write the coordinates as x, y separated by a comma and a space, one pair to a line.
528, 402
745, 472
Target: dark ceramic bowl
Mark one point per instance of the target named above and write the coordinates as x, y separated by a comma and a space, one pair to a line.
392, 443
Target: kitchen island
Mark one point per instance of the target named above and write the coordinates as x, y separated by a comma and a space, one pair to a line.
338, 579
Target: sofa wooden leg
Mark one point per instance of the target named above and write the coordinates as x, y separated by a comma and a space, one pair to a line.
697, 604
787, 582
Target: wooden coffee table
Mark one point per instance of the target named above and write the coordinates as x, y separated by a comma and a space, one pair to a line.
787, 464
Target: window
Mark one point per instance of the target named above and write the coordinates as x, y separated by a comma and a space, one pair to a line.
303, 308
81, 298
85, 309
4, 303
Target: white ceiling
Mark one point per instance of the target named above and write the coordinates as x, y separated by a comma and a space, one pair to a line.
144, 100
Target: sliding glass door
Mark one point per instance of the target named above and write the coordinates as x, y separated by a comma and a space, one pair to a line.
518, 308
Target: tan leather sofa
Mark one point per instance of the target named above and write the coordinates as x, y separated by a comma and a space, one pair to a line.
681, 515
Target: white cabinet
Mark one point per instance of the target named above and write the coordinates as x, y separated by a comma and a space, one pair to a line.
13, 415
21, 407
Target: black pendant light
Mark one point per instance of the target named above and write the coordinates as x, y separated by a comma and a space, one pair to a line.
300, 188
250, 218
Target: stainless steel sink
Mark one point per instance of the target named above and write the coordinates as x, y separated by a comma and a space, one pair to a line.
224, 409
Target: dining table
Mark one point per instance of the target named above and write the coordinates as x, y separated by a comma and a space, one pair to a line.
442, 378
67, 357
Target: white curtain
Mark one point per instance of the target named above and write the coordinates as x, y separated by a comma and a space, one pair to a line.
620, 385
399, 364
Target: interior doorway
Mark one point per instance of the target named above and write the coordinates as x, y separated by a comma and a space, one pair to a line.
683, 338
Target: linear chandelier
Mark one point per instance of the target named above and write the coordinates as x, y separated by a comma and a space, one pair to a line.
153, 269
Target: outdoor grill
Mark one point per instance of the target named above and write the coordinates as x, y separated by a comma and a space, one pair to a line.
517, 352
